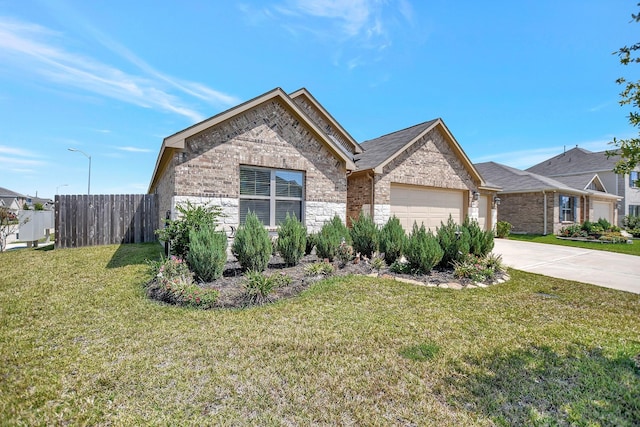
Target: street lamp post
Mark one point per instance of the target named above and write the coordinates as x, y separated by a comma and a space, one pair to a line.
88, 157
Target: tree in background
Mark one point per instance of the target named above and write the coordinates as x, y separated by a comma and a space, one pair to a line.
628, 149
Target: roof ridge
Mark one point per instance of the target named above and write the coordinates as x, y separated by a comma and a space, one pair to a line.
402, 130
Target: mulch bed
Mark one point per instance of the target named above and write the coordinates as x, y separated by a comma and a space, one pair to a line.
232, 289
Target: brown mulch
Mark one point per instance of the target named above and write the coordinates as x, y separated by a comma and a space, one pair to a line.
232, 289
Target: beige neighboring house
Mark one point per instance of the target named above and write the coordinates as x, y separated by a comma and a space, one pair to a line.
578, 162
536, 204
284, 153
12, 200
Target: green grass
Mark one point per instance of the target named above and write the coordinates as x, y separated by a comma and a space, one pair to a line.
81, 345
622, 248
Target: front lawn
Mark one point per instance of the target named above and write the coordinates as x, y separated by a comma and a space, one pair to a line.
622, 248
80, 344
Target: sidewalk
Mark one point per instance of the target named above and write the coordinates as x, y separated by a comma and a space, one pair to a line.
607, 269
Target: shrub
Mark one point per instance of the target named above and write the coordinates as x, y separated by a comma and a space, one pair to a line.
632, 224
364, 234
400, 267
311, 243
454, 241
207, 253
503, 229
330, 237
258, 287
377, 263
192, 217
344, 254
292, 240
478, 269
319, 268
392, 240
574, 230
173, 283
480, 242
604, 224
252, 246
423, 250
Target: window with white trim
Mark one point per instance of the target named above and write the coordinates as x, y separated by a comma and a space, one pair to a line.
271, 194
567, 208
634, 210
634, 179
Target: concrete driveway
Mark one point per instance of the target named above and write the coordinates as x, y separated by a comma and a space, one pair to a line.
608, 269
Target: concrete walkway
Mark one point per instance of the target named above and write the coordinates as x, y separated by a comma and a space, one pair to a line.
607, 269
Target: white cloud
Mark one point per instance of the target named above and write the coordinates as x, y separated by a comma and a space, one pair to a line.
134, 149
15, 161
16, 151
31, 48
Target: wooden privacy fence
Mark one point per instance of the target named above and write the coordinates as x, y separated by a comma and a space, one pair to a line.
88, 220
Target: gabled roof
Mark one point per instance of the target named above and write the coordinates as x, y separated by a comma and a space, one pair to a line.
582, 181
4, 192
304, 93
177, 140
381, 151
575, 161
514, 180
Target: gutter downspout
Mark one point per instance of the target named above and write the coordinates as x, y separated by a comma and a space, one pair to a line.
544, 215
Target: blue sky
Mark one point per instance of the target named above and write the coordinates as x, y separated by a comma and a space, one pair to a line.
515, 81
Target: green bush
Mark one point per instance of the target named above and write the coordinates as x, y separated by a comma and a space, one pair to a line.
478, 269
252, 245
423, 251
480, 242
207, 253
392, 240
632, 224
292, 240
319, 268
364, 234
604, 224
344, 254
330, 237
258, 287
454, 241
573, 230
311, 243
192, 217
503, 229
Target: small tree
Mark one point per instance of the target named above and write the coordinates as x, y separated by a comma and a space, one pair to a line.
9, 224
454, 241
207, 253
192, 217
252, 246
480, 241
292, 240
423, 250
364, 234
392, 240
330, 237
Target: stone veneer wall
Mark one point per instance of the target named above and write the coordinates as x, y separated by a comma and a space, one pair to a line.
268, 136
429, 162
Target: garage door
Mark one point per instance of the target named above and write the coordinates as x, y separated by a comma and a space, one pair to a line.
425, 205
601, 210
483, 212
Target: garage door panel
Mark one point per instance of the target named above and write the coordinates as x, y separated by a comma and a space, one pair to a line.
601, 210
425, 205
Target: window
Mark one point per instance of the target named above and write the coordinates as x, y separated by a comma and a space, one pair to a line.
270, 194
634, 179
567, 208
634, 210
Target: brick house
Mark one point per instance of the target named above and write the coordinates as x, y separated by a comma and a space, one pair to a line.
537, 204
284, 153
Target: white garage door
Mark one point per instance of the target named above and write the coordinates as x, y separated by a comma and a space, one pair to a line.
425, 205
601, 210
483, 212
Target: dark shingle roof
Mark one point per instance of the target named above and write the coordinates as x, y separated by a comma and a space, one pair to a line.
576, 160
378, 150
516, 180
4, 192
579, 181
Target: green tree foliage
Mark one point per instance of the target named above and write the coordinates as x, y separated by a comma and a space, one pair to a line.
191, 217
292, 240
364, 234
503, 229
392, 240
454, 241
480, 241
329, 238
252, 245
423, 251
628, 149
207, 253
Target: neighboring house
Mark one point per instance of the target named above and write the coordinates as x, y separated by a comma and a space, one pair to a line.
47, 204
284, 153
12, 200
537, 204
580, 162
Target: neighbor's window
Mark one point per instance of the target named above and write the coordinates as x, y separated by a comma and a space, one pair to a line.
634, 176
634, 210
567, 208
270, 194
